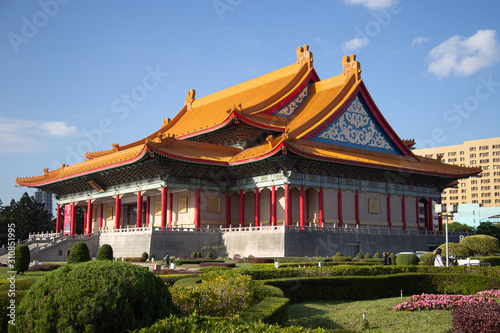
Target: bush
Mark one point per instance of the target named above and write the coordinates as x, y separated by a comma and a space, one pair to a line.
100, 296
22, 257
210, 255
79, 253
145, 256
21, 284
262, 261
457, 250
427, 258
105, 252
407, 259
43, 268
221, 295
359, 255
198, 255
368, 256
339, 254
393, 258
377, 255
194, 255
481, 245
152, 256
482, 317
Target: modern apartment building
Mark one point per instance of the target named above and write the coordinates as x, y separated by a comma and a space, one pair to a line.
44, 198
483, 189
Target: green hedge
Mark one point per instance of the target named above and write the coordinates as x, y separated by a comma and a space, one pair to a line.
194, 262
5, 300
169, 280
494, 261
272, 307
374, 287
188, 282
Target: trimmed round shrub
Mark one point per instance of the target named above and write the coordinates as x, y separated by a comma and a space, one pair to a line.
198, 255
210, 255
22, 257
105, 252
194, 255
359, 255
145, 255
79, 253
152, 256
427, 258
457, 250
339, 254
393, 258
94, 296
368, 256
377, 255
407, 259
481, 245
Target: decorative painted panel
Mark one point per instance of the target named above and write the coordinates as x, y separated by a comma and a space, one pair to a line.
288, 110
357, 127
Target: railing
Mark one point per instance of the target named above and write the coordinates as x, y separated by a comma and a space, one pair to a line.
141, 230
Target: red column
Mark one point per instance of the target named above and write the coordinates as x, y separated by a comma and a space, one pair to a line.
228, 210
321, 207
356, 207
148, 210
73, 218
257, 207
85, 210
288, 219
58, 219
89, 216
301, 205
308, 193
139, 210
242, 209
163, 220
339, 200
273, 205
101, 218
197, 217
417, 213
389, 210
170, 210
403, 210
118, 208
429, 210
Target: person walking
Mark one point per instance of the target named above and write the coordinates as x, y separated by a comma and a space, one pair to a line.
167, 260
387, 259
438, 259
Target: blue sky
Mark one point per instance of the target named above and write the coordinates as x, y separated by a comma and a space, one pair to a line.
77, 76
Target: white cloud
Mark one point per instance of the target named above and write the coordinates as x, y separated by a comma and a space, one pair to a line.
355, 44
372, 4
27, 136
464, 56
59, 128
419, 41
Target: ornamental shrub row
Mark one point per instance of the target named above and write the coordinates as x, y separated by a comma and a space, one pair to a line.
476, 318
374, 287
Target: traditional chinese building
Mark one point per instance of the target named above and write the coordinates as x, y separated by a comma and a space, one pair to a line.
285, 149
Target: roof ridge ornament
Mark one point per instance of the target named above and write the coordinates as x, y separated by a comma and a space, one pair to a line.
304, 55
190, 99
235, 108
351, 67
116, 147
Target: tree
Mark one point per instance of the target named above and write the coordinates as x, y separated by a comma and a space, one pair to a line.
27, 215
457, 250
457, 227
22, 257
488, 228
79, 253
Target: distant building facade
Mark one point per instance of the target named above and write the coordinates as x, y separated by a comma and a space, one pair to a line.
44, 198
483, 189
474, 214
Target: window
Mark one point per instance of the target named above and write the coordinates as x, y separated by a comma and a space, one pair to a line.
496, 153
484, 154
462, 159
486, 201
474, 195
472, 162
472, 149
451, 160
473, 188
496, 180
452, 153
485, 181
496, 160
483, 147
485, 195
474, 181
495, 147
462, 152
472, 155
429, 155
486, 174
474, 201
485, 188
486, 161
463, 191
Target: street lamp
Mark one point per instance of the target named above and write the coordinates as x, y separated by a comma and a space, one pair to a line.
446, 211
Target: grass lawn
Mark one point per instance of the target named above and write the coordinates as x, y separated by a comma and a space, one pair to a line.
26, 275
340, 316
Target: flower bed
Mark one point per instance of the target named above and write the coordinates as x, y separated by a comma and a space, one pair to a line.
445, 302
43, 268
